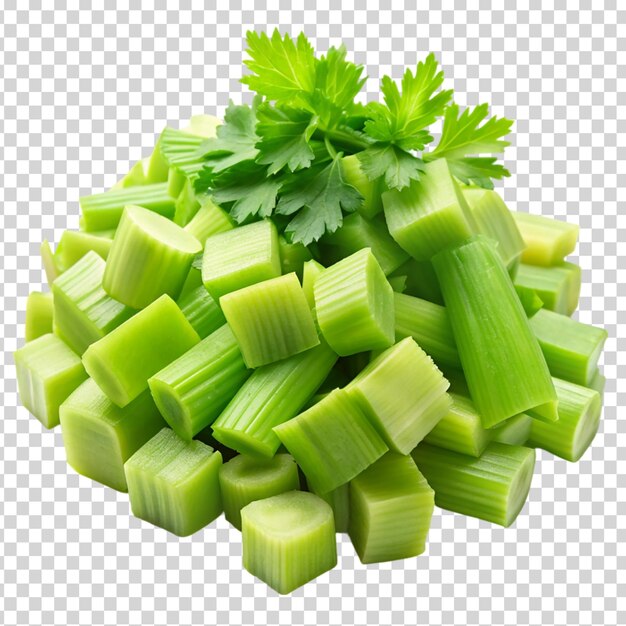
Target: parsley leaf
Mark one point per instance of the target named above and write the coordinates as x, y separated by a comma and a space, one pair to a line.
397, 166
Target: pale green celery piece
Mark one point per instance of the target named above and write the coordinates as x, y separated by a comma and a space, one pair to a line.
202, 312
548, 241
122, 361
430, 214
332, 442
245, 479
209, 220
83, 311
47, 373
293, 256
572, 349
398, 283
150, 256
174, 484
460, 429
194, 389
421, 280
187, 204
558, 286
241, 257
357, 233
39, 314
202, 125
271, 320
579, 418
505, 369
194, 278
339, 501
515, 431
134, 178
493, 487
288, 539
529, 299
370, 190
182, 172
391, 506
272, 395
49, 262
598, 382
100, 437
75, 244
158, 168
354, 305
310, 271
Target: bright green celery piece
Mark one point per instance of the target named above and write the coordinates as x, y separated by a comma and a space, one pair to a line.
47, 373
310, 272
75, 244
49, 262
179, 148
202, 312
398, 283
194, 389
548, 241
288, 539
579, 418
187, 204
209, 220
421, 280
430, 214
180, 173
104, 210
238, 258
83, 311
245, 479
39, 314
598, 382
460, 429
202, 125
403, 394
174, 483
493, 219
493, 487
391, 506
339, 501
193, 280
515, 431
370, 190
158, 168
271, 320
505, 369
529, 299
272, 395
571, 348
558, 286
100, 437
332, 442
150, 256
123, 361
354, 305
293, 256
356, 233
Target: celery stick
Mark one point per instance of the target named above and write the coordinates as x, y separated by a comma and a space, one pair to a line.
49, 262
158, 168
178, 146
271, 320
136, 176
75, 244
122, 361
370, 190
354, 305
193, 390
288, 539
174, 484
529, 299
201, 311
272, 395
47, 372
39, 314
514, 431
293, 256
598, 382
391, 506
209, 220
194, 278
202, 125
187, 204
310, 272
421, 280
339, 501
398, 283
100, 437
245, 479
505, 369
332, 442
206, 436
182, 172
104, 210
83, 311
492, 487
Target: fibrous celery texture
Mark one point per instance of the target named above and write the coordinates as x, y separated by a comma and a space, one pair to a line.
339, 501
310, 272
293, 256
421, 280
75, 244
371, 191
209, 220
202, 311
515, 431
39, 314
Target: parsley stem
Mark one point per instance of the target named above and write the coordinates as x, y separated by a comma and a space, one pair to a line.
330, 148
350, 142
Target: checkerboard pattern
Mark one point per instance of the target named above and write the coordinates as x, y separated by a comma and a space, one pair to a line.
84, 93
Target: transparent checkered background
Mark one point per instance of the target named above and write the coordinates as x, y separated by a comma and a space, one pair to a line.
84, 93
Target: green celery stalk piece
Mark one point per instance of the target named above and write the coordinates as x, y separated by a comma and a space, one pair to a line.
371, 191
398, 283
39, 314
75, 244
288, 539
339, 501
492, 487
100, 437
202, 312
310, 272
135, 177
391, 506
158, 168
202, 125
245, 479
180, 173
529, 299
293, 256
193, 280
598, 382
174, 484
47, 373
208, 220
49, 262
178, 146
122, 361
187, 204
271, 320
515, 431
421, 280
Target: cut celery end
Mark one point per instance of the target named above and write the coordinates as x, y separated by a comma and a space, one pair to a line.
354, 305
246, 479
391, 506
332, 442
271, 320
202, 125
158, 168
288, 539
202, 312
398, 283
47, 373
430, 214
493, 487
531, 302
371, 191
39, 314
100, 437
421, 280
178, 146
515, 431
339, 501
122, 361
293, 256
209, 220
174, 484
193, 390
193, 280
598, 382
49, 263
403, 394
180, 173
238, 258
310, 272
75, 244
187, 204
